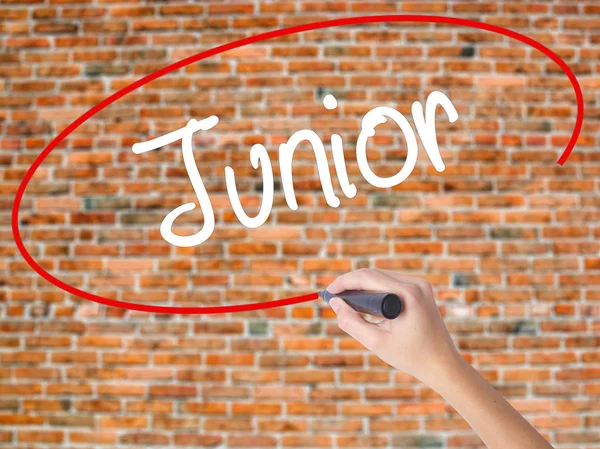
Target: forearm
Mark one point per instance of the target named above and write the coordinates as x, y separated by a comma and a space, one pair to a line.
494, 420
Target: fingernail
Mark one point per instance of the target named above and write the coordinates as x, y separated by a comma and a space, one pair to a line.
335, 304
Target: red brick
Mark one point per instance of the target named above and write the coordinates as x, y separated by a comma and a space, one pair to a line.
506, 236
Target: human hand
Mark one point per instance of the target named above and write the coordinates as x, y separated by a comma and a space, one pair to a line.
416, 342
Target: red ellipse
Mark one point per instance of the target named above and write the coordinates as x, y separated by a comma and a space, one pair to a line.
240, 43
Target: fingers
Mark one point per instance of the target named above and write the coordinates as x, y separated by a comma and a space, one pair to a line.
399, 276
362, 280
352, 322
375, 280
404, 278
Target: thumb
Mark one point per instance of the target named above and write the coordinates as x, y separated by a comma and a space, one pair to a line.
353, 323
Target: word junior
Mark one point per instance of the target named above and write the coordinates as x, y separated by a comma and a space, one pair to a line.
425, 123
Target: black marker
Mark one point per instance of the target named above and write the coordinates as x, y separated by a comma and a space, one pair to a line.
387, 305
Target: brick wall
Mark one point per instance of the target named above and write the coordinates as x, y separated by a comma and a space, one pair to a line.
507, 237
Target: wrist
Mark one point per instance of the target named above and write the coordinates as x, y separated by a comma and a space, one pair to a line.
446, 371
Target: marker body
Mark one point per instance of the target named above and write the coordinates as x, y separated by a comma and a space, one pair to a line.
387, 305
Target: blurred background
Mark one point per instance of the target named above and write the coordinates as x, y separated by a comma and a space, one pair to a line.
507, 237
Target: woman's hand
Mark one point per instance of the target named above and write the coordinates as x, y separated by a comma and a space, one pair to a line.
416, 342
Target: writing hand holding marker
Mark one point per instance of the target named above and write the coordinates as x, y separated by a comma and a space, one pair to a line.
418, 343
